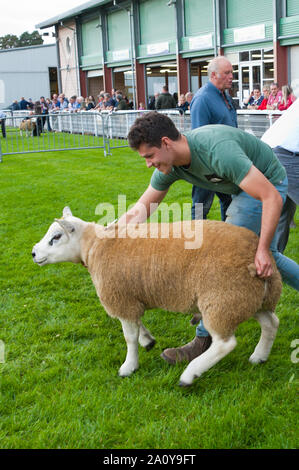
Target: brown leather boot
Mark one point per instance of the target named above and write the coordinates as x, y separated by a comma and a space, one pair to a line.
188, 352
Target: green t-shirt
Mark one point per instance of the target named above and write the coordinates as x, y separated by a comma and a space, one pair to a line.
221, 157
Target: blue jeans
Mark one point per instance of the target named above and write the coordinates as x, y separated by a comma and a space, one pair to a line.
205, 196
245, 211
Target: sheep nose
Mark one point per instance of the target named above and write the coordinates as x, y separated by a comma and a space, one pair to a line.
33, 254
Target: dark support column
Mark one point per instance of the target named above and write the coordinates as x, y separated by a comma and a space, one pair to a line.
183, 75
280, 52
280, 64
140, 84
83, 83
107, 79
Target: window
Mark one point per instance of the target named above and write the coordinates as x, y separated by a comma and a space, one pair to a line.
68, 44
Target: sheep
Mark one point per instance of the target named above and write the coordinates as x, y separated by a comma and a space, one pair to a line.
27, 125
217, 281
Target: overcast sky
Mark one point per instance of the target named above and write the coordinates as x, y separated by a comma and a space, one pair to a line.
17, 16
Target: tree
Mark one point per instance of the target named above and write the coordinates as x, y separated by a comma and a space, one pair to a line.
10, 41
30, 39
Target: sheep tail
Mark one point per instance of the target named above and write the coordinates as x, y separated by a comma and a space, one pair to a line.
252, 270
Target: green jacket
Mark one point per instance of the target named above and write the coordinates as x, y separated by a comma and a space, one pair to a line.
165, 101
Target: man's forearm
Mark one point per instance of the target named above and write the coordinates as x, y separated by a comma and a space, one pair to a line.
270, 217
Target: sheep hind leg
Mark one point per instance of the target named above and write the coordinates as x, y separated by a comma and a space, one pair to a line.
131, 334
217, 351
146, 340
269, 325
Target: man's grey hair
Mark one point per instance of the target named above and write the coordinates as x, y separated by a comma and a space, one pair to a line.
214, 64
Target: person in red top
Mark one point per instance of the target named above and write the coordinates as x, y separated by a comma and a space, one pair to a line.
275, 96
266, 93
287, 98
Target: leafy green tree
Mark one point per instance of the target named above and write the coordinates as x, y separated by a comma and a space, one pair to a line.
9, 41
30, 39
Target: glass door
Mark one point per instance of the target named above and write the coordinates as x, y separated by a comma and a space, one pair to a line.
244, 82
251, 75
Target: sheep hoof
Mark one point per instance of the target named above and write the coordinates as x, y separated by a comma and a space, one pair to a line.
256, 360
126, 372
150, 345
184, 384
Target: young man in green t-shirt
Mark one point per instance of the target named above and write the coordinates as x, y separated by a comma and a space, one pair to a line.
221, 158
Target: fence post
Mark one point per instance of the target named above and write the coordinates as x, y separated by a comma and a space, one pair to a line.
106, 139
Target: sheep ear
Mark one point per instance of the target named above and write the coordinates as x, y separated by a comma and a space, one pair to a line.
67, 226
67, 212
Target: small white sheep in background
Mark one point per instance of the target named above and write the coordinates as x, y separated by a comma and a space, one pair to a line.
216, 281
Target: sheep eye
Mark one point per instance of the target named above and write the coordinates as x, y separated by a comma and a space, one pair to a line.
56, 237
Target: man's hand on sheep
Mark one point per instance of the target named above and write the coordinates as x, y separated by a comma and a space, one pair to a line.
258, 186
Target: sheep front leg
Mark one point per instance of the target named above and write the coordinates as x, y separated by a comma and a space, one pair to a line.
131, 334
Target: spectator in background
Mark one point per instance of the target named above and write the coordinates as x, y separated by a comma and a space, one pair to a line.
141, 106
165, 100
287, 98
62, 104
90, 103
122, 104
108, 102
39, 123
45, 112
275, 97
73, 105
55, 102
266, 93
189, 97
100, 105
81, 106
2, 122
254, 99
212, 104
153, 101
30, 104
14, 106
23, 104
183, 104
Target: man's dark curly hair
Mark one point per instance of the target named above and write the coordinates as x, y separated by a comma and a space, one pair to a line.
150, 129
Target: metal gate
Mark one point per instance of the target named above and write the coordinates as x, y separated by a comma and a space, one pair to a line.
27, 133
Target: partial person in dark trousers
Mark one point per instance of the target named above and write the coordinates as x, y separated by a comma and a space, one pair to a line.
2, 121
212, 104
283, 137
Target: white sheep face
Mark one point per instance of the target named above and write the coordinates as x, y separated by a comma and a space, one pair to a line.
61, 242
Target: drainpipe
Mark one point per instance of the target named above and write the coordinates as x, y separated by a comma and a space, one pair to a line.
58, 61
215, 27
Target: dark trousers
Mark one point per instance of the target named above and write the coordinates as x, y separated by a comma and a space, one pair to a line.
3, 127
39, 127
290, 161
205, 196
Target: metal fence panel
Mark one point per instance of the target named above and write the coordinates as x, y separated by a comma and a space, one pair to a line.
28, 133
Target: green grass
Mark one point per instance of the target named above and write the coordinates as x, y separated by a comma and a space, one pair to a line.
59, 382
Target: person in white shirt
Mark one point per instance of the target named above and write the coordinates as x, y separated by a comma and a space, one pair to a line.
283, 137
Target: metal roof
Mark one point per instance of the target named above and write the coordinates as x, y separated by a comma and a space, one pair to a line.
71, 13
